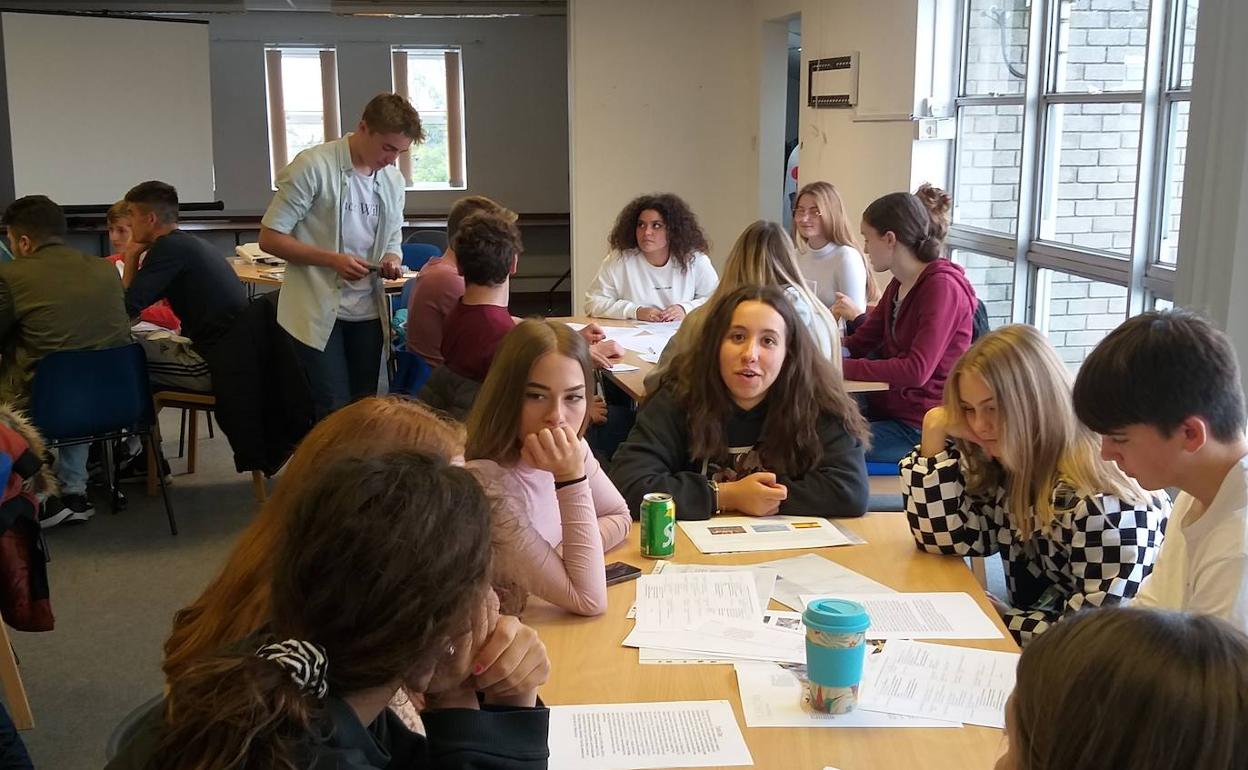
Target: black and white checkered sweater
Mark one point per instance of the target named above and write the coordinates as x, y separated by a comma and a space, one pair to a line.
1096, 551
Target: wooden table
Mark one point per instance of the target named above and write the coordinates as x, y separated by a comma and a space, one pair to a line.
633, 383
254, 275
590, 666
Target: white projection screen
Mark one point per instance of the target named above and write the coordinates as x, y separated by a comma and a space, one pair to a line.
98, 104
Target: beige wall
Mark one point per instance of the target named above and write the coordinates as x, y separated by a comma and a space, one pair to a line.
663, 96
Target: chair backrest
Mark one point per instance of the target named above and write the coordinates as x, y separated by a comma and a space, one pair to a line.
438, 238
82, 393
413, 372
405, 296
415, 255
125, 729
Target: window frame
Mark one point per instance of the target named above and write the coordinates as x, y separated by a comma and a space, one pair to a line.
279, 155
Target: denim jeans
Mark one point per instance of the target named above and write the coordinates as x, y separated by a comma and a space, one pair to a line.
71, 469
891, 440
348, 368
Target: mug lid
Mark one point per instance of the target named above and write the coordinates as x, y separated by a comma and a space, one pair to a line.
836, 615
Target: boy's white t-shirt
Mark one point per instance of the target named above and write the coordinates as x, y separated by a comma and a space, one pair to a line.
835, 268
361, 210
626, 282
1203, 566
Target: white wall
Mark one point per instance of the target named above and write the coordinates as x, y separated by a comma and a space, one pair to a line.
663, 97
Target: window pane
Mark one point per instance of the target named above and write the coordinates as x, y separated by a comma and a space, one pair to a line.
1101, 45
996, 47
1187, 49
426, 87
303, 100
1076, 313
1172, 201
989, 151
1090, 170
1162, 304
993, 279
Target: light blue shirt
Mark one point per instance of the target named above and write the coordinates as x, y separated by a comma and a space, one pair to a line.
308, 206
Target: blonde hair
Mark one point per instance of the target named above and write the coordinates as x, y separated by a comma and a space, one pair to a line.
494, 422
1041, 440
836, 227
117, 212
763, 255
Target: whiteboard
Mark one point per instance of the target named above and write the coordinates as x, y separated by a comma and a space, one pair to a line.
97, 105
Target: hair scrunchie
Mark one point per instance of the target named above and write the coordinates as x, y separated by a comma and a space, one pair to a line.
304, 662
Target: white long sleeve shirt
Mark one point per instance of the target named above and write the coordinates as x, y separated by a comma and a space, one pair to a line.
626, 282
1203, 565
835, 268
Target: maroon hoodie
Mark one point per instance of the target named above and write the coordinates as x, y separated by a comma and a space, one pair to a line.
914, 356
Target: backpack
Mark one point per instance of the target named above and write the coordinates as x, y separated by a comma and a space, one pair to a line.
24, 593
979, 321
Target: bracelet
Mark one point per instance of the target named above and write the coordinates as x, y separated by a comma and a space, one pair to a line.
714, 485
570, 482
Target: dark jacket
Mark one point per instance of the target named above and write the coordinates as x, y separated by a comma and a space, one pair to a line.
55, 299
913, 355
493, 738
655, 458
264, 402
450, 392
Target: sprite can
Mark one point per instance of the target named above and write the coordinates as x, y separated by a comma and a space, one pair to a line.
658, 525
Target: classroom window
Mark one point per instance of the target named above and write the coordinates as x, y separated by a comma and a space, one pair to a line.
432, 80
1076, 312
1069, 155
993, 279
302, 89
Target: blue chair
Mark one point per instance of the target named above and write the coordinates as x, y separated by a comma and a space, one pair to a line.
412, 372
438, 238
415, 255
881, 469
83, 396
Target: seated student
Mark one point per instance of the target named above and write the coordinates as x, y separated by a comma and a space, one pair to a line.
487, 247
656, 270
440, 286
921, 325
381, 583
826, 248
754, 421
1022, 478
1125, 687
198, 282
119, 232
54, 298
1164, 391
525, 445
762, 256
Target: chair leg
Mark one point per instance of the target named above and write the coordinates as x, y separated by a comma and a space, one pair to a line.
193, 438
110, 469
182, 435
208, 415
14, 690
257, 482
154, 442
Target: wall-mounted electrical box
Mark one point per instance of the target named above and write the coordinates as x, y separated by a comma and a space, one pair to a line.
832, 81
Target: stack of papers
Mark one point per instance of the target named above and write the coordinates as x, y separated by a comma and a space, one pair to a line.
624, 736
937, 681
735, 534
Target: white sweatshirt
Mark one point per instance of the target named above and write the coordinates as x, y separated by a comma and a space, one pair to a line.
626, 282
1203, 565
835, 268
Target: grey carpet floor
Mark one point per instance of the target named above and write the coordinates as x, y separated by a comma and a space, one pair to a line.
116, 582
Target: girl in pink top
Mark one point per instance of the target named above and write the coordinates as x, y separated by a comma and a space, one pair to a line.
526, 446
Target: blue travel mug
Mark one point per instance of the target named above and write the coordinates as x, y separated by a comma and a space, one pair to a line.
836, 647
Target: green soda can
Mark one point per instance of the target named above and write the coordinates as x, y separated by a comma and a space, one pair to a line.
658, 525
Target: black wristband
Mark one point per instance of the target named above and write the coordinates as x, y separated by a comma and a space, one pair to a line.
562, 484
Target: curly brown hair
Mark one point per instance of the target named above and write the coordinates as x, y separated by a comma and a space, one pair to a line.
684, 234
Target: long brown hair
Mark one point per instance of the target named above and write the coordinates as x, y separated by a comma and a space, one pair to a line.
807, 388
920, 220
684, 234
494, 422
836, 227
1041, 439
236, 603
383, 561
1132, 688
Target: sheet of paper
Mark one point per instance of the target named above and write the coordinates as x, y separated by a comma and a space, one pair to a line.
735, 534
715, 638
650, 358
574, 326
940, 682
772, 695
764, 577
811, 573
622, 368
659, 326
656, 656
950, 615
686, 599
628, 736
